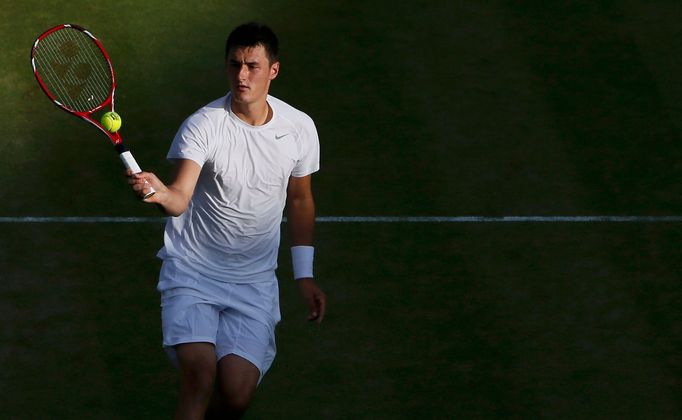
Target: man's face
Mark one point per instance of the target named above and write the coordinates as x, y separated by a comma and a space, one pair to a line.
250, 72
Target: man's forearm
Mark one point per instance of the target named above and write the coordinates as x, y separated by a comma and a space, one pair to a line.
173, 202
301, 221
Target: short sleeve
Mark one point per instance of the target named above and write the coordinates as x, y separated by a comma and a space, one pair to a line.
309, 147
191, 141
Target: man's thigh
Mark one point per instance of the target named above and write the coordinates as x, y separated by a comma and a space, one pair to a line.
237, 376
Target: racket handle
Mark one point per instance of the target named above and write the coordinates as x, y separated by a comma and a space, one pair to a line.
130, 163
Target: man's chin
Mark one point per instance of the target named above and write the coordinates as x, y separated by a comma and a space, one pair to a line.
242, 97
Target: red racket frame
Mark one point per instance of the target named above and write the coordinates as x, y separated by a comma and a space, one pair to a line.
126, 156
86, 115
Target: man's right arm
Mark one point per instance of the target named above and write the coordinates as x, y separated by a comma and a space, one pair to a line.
174, 197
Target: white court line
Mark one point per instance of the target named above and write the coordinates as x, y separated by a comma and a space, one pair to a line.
374, 219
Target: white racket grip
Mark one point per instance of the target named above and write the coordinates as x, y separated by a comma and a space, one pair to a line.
130, 163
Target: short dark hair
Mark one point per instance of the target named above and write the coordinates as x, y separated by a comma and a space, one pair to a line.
253, 34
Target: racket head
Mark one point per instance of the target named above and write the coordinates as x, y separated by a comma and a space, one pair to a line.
75, 72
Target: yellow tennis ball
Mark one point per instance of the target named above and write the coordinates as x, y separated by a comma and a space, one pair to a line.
111, 122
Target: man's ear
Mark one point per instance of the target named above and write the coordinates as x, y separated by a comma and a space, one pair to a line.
274, 70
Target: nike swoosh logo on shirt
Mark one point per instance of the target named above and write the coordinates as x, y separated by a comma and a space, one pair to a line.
280, 136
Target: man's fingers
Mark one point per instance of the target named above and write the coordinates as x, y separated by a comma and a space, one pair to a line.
318, 308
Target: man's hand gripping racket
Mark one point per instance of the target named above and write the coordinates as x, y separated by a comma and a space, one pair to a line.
75, 72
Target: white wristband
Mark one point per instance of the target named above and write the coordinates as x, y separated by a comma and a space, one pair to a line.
302, 261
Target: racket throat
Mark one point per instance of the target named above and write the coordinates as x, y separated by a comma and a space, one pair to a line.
120, 148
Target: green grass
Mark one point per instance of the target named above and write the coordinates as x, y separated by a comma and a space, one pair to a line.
581, 321
423, 108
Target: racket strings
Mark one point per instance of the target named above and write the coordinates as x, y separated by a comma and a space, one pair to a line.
74, 69
75, 42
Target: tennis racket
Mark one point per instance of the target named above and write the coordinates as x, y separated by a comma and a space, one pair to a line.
75, 72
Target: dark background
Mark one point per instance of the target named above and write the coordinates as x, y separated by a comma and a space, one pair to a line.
434, 108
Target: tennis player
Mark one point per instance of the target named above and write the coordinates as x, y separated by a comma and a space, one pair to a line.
238, 162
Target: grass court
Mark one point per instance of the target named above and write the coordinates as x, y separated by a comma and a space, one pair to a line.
440, 108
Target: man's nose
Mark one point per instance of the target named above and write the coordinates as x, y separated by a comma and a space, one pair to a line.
243, 71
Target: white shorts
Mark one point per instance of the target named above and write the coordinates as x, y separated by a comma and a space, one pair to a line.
238, 318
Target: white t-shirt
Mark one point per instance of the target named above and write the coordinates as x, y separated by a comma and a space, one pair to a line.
231, 229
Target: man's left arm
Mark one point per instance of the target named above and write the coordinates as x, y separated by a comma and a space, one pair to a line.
301, 221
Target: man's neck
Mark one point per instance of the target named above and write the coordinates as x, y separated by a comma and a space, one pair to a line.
255, 114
